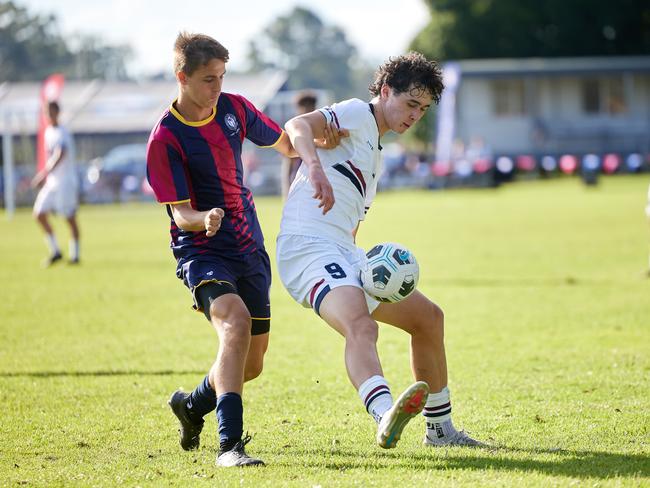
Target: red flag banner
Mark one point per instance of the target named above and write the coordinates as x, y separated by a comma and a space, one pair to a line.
50, 91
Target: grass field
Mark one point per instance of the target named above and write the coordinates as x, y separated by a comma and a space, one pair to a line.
547, 330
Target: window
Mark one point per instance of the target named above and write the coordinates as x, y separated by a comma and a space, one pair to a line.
509, 97
603, 96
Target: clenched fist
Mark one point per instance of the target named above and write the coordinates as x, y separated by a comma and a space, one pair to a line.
212, 221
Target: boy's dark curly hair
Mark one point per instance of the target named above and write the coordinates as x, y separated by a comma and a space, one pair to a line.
410, 71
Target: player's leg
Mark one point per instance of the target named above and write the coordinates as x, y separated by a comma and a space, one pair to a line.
232, 322
255, 358
42, 206
345, 309
423, 320
254, 288
74, 238
324, 276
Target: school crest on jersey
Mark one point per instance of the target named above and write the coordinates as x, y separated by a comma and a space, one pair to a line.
231, 123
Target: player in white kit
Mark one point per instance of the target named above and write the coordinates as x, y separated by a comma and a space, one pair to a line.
319, 262
59, 186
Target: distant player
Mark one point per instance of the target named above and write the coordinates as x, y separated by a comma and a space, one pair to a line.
59, 186
305, 103
194, 167
319, 262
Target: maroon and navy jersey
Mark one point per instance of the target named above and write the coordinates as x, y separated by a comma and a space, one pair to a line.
200, 162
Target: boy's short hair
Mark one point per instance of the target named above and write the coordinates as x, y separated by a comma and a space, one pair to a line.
191, 51
409, 71
306, 100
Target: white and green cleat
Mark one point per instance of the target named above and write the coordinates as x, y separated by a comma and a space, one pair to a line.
408, 405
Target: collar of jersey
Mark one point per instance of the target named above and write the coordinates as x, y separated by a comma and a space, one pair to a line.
198, 123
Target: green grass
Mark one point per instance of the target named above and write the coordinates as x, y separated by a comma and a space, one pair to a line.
547, 332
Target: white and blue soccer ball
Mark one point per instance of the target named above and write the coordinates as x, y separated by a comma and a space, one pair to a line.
391, 273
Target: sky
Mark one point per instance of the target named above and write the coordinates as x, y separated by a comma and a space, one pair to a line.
377, 28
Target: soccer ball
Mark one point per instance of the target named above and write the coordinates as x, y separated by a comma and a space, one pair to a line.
391, 273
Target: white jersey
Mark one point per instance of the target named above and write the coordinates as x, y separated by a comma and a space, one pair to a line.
64, 172
353, 169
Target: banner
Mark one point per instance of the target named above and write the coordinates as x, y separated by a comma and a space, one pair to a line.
50, 92
451, 75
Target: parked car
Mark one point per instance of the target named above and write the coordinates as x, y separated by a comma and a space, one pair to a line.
119, 175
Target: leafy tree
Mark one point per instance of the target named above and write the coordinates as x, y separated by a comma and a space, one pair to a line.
461, 29
314, 55
31, 48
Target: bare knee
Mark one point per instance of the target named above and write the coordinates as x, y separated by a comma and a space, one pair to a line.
254, 367
235, 328
363, 330
429, 322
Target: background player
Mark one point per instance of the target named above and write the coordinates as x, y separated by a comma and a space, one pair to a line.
305, 103
59, 186
194, 167
319, 262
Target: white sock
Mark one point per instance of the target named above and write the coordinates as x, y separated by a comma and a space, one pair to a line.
437, 413
375, 395
50, 239
74, 249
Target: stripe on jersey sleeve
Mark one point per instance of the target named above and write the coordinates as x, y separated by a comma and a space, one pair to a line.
260, 128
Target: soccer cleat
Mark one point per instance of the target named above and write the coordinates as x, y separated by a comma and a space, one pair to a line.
189, 431
54, 258
456, 439
74, 261
237, 456
408, 405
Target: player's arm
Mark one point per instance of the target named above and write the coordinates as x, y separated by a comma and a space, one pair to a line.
57, 156
192, 220
302, 131
330, 138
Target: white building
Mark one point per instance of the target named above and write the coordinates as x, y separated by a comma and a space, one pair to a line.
537, 106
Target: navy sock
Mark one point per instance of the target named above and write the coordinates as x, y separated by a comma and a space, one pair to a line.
202, 400
230, 413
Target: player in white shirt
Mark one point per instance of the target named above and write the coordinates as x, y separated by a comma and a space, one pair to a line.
319, 262
59, 186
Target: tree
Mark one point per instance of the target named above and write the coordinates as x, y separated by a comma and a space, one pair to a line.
31, 48
462, 29
313, 54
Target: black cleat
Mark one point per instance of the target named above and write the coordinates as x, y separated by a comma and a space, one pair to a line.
237, 456
54, 258
74, 261
189, 431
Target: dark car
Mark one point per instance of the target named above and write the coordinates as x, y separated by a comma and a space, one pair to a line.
120, 175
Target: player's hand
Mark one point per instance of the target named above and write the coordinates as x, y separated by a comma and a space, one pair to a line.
38, 179
331, 137
322, 188
212, 221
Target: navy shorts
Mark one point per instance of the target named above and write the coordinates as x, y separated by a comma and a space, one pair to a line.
248, 276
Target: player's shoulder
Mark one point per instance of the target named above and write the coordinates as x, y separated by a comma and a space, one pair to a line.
164, 130
350, 113
233, 99
352, 105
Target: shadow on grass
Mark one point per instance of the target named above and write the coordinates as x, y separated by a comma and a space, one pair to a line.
574, 464
54, 374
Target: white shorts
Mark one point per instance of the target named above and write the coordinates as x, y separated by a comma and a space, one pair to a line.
310, 267
58, 198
